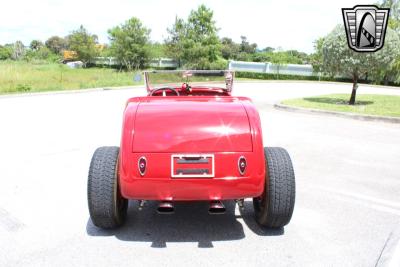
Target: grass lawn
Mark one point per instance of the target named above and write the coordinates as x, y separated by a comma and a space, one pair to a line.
382, 105
20, 76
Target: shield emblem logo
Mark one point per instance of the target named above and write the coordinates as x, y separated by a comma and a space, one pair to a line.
365, 27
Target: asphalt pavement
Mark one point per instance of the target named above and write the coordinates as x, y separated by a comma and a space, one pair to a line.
347, 210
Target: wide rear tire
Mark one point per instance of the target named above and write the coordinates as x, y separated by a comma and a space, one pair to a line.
274, 208
107, 208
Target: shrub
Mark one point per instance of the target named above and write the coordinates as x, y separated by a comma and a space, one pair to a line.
23, 88
43, 53
5, 52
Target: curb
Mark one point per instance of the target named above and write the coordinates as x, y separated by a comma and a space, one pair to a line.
73, 91
338, 114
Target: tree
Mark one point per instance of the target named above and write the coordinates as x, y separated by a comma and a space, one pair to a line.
84, 44
130, 43
35, 45
298, 57
177, 36
157, 50
6, 51
316, 58
339, 59
394, 19
195, 43
243, 51
229, 49
394, 23
246, 47
269, 49
43, 53
280, 59
247, 51
387, 60
18, 51
262, 57
56, 44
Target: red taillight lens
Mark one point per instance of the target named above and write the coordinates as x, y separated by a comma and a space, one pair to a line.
142, 164
242, 164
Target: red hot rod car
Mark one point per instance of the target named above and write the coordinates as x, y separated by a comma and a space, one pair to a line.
189, 139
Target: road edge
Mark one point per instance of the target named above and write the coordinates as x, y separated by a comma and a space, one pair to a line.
124, 87
72, 91
337, 114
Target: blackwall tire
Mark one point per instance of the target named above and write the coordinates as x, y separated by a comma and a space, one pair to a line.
274, 208
107, 208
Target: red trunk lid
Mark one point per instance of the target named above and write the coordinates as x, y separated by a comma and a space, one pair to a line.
191, 124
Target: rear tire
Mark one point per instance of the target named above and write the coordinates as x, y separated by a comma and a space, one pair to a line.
107, 208
274, 208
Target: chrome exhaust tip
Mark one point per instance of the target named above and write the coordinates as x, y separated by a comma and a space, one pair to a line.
165, 207
216, 207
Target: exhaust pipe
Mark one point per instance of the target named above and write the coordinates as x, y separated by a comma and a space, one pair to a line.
165, 207
216, 207
240, 203
141, 204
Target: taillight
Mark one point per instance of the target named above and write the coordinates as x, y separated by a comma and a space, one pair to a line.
142, 164
242, 164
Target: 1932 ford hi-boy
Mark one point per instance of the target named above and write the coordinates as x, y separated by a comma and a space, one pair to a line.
190, 140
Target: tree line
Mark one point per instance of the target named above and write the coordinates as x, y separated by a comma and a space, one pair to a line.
193, 42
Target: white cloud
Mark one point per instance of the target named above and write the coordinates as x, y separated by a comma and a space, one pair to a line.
287, 24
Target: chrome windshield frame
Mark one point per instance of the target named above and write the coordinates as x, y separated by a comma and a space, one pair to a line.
228, 74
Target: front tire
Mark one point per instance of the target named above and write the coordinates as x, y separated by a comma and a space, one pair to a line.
107, 208
274, 208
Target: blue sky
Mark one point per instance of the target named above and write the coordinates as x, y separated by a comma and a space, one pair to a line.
286, 24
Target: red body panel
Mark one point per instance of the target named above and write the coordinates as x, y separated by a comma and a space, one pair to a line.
194, 124
158, 127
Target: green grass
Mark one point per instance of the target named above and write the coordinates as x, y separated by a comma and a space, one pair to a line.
20, 76
382, 105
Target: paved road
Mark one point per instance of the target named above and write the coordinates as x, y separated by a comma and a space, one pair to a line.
347, 209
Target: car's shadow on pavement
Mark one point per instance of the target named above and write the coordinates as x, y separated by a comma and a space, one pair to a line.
247, 214
190, 223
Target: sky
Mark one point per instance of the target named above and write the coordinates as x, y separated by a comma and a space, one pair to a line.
288, 24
